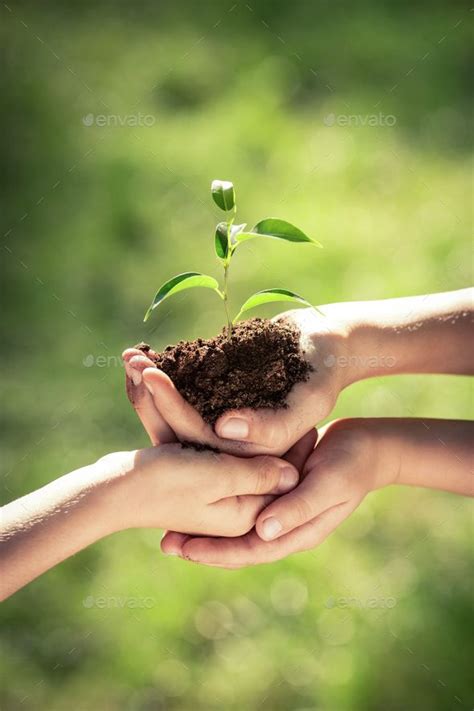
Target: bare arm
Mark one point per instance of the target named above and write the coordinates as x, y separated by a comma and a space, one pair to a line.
48, 525
352, 458
435, 454
415, 334
352, 341
164, 487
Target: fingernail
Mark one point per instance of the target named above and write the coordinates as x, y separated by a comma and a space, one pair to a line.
136, 376
271, 528
234, 428
171, 553
288, 479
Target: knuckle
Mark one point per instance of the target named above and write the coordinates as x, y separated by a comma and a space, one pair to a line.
301, 509
266, 473
274, 434
267, 430
241, 523
245, 515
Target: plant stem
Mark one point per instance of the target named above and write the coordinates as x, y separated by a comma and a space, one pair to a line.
225, 291
225, 297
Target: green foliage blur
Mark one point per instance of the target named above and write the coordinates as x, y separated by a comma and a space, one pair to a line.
116, 116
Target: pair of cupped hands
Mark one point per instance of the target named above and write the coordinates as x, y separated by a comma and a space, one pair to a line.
327, 473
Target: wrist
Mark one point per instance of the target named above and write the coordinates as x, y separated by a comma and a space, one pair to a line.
387, 451
347, 349
117, 490
367, 347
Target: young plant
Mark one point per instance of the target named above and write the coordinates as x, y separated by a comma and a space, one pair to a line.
228, 236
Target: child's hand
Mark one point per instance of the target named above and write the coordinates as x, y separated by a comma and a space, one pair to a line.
163, 410
339, 472
352, 458
351, 342
198, 492
164, 487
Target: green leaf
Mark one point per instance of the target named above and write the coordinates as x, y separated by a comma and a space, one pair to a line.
268, 296
223, 194
234, 231
180, 282
221, 241
278, 229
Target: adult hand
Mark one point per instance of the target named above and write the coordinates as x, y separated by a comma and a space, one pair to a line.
250, 432
338, 473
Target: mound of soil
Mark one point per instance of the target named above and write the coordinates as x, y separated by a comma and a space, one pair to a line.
256, 368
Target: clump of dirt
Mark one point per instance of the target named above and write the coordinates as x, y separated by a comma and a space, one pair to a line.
256, 368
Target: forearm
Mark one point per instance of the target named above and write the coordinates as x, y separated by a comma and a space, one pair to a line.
419, 334
50, 524
437, 454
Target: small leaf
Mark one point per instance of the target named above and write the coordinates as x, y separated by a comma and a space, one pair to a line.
268, 296
278, 229
234, 231
180, 282
221, 241
223, 194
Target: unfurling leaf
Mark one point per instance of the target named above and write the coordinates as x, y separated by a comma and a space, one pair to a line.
278, 229
223, 194
268, 296
234, 231
180, 282
221, 241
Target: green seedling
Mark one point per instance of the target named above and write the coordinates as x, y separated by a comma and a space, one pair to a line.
228, 236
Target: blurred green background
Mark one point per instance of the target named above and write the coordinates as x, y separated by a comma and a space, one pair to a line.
94, 217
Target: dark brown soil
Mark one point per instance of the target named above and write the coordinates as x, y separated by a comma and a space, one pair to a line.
256, 368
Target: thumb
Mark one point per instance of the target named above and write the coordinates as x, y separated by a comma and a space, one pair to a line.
172, 542
323, 488
269, 429
184, 420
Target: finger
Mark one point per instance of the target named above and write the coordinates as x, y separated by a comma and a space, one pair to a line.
185, 420
320, 490
236, 515
127, 355
179, 414
251, 550
258, 475
172, 542
155, 425
274, 431
299, 453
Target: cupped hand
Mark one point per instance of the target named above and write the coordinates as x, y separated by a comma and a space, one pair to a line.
337, 475
204, 492
201, 491
250, 432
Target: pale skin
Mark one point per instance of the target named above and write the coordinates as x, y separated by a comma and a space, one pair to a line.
353, 458
163, 487
234, 499
423, 334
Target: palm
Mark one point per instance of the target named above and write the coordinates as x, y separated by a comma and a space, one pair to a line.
274, 432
